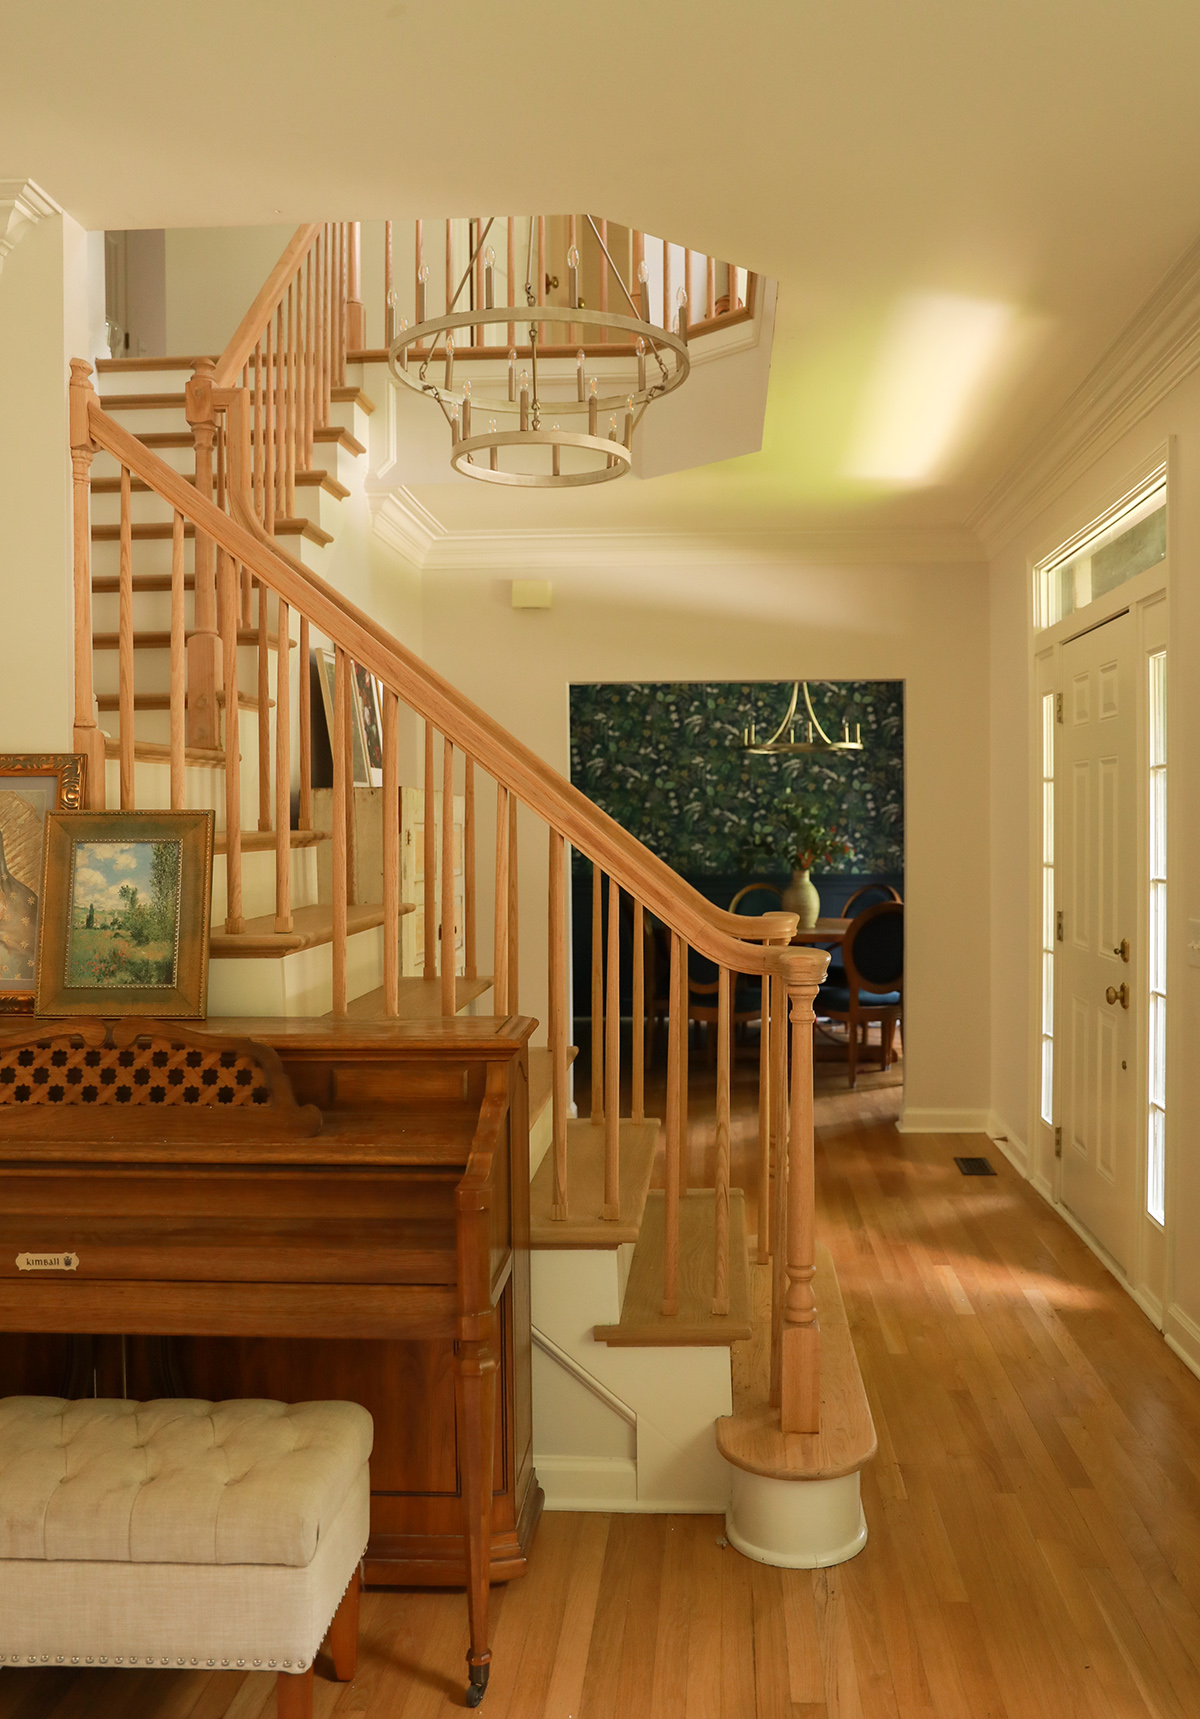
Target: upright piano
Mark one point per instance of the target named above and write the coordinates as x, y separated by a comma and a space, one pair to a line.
295, 1209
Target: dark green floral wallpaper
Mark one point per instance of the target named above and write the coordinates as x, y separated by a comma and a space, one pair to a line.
666, 760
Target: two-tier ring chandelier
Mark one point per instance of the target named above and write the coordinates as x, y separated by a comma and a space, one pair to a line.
518, 424
816, 739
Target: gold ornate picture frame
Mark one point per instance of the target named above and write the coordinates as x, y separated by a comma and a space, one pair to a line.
31, 784
127, 898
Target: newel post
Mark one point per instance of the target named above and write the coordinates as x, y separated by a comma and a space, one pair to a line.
204, 675
800, 1335
86, 735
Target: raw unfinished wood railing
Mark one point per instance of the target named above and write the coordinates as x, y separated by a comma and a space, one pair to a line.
533, 255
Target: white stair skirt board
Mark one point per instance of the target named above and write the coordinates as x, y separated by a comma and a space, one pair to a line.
584, 1438
297, 984
913, 1121
796, 1524
674, 1396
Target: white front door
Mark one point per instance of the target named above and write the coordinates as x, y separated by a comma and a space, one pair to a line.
1099, 1014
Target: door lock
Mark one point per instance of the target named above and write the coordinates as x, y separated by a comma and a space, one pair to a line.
1122, 949
1112, 995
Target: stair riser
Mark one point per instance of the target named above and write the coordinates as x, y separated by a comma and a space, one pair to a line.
258, 883
141, 421
297, 984
166, 381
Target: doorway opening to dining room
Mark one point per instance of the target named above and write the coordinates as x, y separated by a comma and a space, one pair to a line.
684, 768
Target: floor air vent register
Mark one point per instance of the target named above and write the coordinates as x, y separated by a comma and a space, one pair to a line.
975, 1166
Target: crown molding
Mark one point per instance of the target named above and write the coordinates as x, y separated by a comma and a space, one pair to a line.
1155, 351
400, 521
526, 553
22, 204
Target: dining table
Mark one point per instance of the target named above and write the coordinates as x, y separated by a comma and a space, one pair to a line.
825, 933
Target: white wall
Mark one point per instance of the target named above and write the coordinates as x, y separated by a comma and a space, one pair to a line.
1015, 909
213, 275
734, 620
43, 324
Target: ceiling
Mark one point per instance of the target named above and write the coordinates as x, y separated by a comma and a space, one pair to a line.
1038, 156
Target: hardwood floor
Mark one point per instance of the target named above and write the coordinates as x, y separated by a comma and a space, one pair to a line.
1034, 1511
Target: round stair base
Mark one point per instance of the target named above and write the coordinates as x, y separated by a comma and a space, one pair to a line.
796, 1524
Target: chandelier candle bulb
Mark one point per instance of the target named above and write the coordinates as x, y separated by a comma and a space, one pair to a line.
593, 407
493, 453
681, 301
640, 348
579, 376
524, 399
454, 425
573, 277
644, 278
629, 423
489, 279
466, 412
422, 290
512, 372
404, 349
449, 362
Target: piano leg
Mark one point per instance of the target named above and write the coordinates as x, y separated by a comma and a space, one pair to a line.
475, 1404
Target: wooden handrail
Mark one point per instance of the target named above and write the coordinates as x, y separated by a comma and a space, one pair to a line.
535, 783
270, 297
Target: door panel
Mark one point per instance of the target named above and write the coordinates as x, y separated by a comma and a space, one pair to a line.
1099, 867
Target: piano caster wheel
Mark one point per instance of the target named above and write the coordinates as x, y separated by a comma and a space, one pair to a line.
477, 1688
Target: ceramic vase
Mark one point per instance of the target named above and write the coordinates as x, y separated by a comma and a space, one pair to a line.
800, 897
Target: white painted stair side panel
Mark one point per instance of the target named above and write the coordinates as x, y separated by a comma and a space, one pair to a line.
298, 984
676, 1395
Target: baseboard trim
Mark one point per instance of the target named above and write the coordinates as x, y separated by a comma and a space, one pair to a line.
1182, 1336
1009, 1142
933, 1121
588, 1482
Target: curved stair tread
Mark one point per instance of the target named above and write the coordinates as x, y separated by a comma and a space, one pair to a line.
751, 1438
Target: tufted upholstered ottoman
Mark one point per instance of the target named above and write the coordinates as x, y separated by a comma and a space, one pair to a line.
183, 1533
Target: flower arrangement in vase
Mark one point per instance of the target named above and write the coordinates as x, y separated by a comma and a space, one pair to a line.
813, 844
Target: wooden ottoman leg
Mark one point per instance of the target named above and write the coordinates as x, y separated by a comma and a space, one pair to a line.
294, 1694
343, 1632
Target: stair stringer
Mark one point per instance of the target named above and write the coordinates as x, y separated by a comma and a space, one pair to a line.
674, 1394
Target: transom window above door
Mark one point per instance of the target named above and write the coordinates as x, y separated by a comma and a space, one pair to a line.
1122, 543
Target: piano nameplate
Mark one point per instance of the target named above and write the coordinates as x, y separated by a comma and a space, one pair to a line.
47, 1261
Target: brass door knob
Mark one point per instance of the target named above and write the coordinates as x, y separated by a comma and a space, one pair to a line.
1112, 995
1122, 949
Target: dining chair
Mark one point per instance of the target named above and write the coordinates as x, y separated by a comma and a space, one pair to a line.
872, 982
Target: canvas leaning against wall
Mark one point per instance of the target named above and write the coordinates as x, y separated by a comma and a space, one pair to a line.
666, 760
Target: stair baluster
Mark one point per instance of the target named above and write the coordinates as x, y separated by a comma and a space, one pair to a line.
228, 572
597, 996
283, 750
514, 930
390, 717
447, 924
470, 957
304, 679
429, 860
263, 647
500, 959
638, 1026
720, 1301
558, 1021
612, 1060
676, 1072
343, 795
178, 668
125, 630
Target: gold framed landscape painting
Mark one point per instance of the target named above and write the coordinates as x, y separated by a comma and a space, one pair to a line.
126, 898
31, 784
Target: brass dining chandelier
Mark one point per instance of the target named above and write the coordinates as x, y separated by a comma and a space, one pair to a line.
814, 737
542, 413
